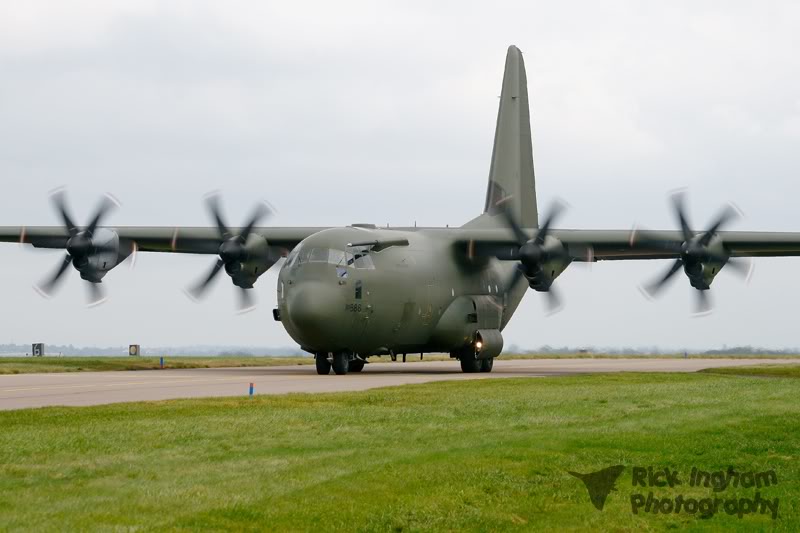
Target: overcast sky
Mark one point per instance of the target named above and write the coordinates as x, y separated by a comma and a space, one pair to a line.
342, 112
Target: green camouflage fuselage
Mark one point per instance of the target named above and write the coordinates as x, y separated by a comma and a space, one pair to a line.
419, 297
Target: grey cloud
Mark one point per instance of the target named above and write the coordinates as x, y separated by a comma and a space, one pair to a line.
382, 110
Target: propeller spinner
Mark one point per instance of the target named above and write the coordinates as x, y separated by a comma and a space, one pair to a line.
534, 254
235, 250
80, 247
697, 253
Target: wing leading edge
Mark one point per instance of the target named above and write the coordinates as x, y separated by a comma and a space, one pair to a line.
583, 245
192, 240
618, 245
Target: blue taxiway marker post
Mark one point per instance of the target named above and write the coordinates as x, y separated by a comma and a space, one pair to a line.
162, 362
252, 389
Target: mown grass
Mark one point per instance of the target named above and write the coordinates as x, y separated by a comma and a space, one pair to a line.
591, 355
776, 371
29, 365
479, 455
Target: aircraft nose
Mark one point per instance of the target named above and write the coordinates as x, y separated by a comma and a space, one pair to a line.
315, 312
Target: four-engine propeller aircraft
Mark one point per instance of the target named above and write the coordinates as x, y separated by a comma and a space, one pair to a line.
347, 293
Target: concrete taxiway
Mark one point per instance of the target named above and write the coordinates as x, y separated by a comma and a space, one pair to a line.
93, 388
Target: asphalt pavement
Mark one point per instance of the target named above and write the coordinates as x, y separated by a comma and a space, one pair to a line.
94, 388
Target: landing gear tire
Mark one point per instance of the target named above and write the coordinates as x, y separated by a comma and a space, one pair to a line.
323, 365
341, 362
487, 364
469, 364
356, 365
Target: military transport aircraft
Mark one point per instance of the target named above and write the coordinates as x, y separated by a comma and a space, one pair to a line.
347, 293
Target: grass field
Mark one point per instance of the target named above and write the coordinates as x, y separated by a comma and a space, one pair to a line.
479, 455
775, 371
30, 365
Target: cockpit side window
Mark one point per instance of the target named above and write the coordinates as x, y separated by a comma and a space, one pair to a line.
364, 262
359, 257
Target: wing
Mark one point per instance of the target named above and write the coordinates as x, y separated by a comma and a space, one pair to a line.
192, 240
615, 245
583, 245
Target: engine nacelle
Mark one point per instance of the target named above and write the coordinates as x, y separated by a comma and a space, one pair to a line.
259, 259
546, 273
107, 253
701, 275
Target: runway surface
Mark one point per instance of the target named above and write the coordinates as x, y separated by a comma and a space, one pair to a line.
93, 388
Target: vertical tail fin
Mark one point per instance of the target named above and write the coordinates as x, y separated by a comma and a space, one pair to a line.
511, 177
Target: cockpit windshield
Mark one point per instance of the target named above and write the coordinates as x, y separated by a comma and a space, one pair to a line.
357, 257
292, 257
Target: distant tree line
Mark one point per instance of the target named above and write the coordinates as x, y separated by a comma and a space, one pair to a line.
240, 351
205, 351
649, 350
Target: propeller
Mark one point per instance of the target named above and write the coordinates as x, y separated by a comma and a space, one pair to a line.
533, 254
693, 252
79, 248
232, 252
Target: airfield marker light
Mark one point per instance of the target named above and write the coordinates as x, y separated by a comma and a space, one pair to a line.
252, 388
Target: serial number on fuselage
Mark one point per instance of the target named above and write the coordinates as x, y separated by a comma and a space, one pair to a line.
352, 308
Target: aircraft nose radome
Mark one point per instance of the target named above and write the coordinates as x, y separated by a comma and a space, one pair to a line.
312, 309
306, 306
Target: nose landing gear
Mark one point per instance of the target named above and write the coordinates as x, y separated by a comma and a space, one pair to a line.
339, 361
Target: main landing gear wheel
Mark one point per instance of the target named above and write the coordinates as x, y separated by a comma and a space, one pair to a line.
469, 364
487, 364
341, 363
323, 365
356, 365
